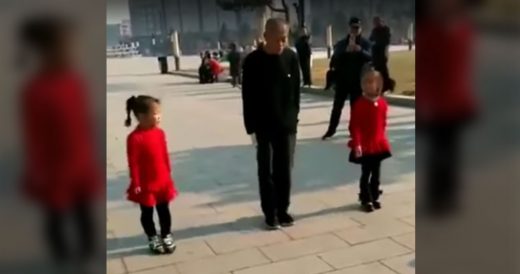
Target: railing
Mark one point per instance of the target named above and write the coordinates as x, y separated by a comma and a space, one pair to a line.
122, 52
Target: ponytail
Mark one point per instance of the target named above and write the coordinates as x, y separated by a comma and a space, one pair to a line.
130, 105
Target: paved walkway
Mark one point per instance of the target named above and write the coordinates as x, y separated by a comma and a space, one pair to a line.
217, 220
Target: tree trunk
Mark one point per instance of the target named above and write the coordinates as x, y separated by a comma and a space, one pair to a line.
238, 18
179, 13
201, 18
262, 16
286, 12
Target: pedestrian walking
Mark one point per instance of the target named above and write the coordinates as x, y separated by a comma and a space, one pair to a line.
271, 103
368, 142
380, 38
303, 48
235, 65
151, 185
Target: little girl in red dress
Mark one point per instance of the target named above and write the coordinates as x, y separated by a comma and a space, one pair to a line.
368, 142
151, 184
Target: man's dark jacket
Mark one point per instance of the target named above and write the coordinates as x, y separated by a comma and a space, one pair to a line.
235, 60
271, 92
380, 38
347, 66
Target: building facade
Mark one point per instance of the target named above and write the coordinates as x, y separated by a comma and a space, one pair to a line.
125, 29
200, 22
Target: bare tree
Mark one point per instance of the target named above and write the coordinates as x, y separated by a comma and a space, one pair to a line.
201, 17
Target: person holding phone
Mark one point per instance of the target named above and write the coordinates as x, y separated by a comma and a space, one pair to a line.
350, 57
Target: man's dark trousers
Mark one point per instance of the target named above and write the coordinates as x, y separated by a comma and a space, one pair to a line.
305, 64
380, 62
339, 102
275, 159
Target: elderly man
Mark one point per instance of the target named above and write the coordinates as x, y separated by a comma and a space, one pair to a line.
271, 103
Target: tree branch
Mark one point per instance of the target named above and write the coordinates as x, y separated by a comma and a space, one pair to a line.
286, 11
270, 5
284, 4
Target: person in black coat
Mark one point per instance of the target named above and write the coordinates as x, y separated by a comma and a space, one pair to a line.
350, 56
235, 62
271, 104
380, 38
303, 47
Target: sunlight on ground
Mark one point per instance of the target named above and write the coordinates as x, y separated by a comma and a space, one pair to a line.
401, 66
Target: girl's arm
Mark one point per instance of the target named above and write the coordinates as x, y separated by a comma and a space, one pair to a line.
132, 151
165, 151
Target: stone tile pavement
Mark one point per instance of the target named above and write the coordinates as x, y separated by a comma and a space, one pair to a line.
217, 220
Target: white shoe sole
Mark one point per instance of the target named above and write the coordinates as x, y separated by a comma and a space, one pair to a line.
269, 227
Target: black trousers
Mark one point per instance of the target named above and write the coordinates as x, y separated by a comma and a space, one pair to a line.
275, 154
205, 75
381, 65
82, 245
370, 180
305, 64
236, 80
442, 169
165, 219
337, 107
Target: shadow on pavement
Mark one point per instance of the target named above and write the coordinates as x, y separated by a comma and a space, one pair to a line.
229, 172
136, 245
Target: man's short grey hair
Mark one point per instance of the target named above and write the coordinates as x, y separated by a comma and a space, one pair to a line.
275, 23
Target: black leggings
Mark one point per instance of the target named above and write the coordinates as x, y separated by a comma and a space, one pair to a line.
442, 180
369, 182
165, 219
61, 247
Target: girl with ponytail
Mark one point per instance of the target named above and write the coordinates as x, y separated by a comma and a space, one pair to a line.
62, 174
369, 143
151, 184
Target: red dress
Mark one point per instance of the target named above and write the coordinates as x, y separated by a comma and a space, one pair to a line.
443, 71
216, 68
368, 129
149, 166
61, 167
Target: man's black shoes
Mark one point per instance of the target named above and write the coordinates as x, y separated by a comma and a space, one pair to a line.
285, 220
271, 224
328, 135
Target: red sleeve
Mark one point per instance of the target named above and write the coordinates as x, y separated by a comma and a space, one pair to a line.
35, 136
355, 130
133, 160
385, 114
165, 151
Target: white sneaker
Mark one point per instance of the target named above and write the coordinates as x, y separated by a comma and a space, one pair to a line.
169, 243
155, 245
